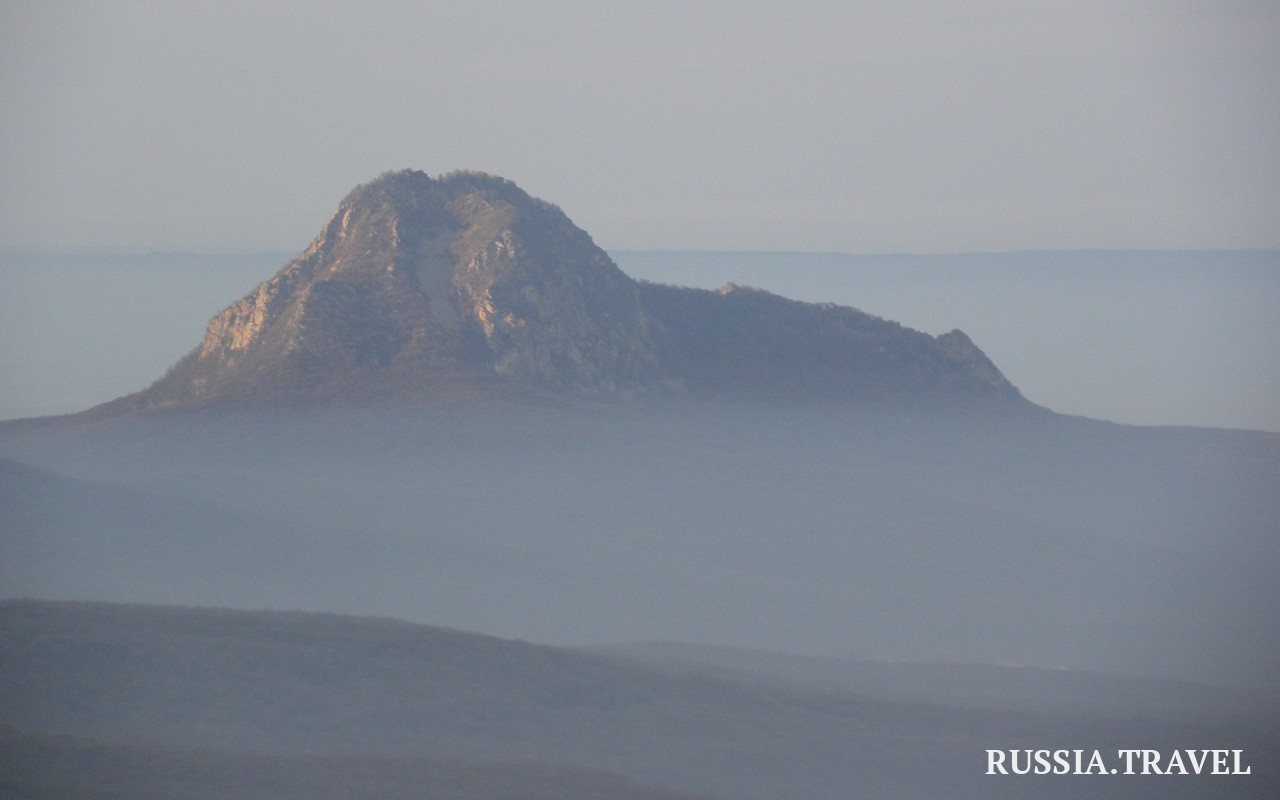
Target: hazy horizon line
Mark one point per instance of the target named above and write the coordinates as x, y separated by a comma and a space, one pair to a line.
11, 252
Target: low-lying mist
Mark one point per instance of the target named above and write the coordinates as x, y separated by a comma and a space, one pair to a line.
1036, 540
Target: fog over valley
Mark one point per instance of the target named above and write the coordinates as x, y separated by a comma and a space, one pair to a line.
1063, 544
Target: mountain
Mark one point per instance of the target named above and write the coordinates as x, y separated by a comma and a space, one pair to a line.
421, 288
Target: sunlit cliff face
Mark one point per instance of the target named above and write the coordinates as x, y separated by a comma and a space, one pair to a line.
413, 273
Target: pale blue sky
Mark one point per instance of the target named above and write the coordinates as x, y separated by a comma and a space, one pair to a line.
838, 126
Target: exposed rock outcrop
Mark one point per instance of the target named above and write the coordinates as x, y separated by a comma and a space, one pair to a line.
418, 287
461, 276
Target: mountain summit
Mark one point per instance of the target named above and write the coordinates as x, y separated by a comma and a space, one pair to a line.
420, 288
415, 284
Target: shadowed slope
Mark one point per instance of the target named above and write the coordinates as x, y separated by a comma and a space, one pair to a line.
285, 684
45, 767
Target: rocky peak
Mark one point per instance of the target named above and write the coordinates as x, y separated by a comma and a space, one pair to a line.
420, 286
961, 349
465, 272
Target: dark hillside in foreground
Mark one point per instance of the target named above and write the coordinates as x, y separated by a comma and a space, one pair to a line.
49, 767
289, 683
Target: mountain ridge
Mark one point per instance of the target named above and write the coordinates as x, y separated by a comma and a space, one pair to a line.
424, 288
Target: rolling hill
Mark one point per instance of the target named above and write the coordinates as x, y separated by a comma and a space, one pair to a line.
282, 685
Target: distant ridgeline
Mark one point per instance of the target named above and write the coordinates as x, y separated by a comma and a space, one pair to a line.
423, 289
